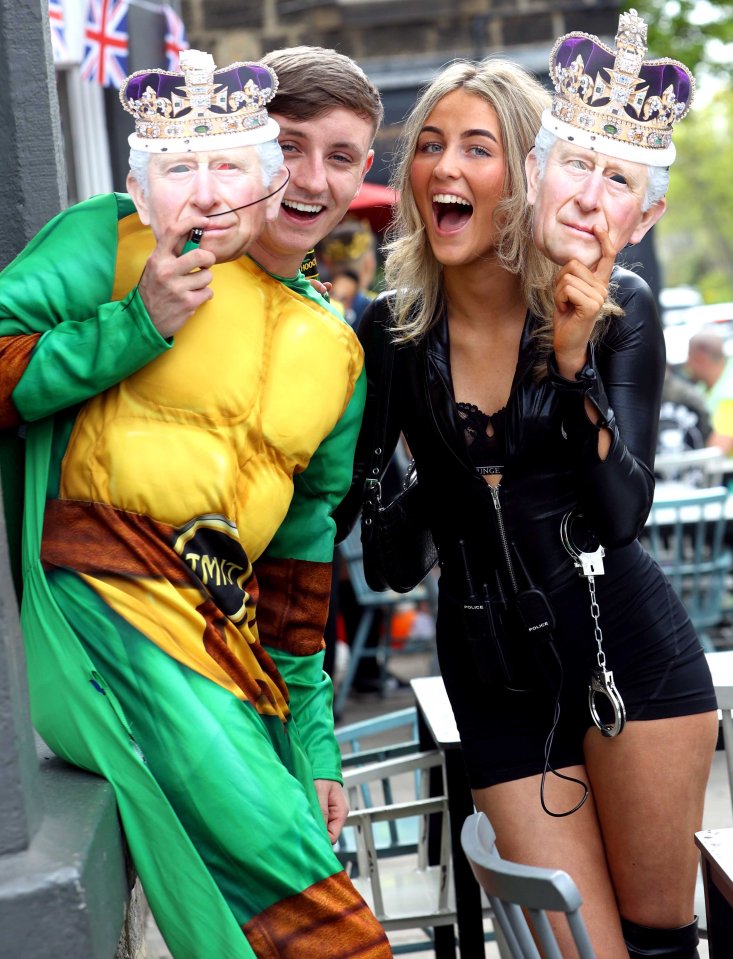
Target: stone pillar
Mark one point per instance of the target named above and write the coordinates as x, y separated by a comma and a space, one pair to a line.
33, 181
64, 884
31, 187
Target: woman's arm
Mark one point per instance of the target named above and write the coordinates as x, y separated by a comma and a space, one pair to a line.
623, 380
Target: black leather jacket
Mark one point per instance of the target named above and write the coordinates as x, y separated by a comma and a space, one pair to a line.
551, 460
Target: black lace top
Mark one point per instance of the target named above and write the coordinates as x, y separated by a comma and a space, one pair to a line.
484, 436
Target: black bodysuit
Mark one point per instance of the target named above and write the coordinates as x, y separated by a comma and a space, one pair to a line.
496, 543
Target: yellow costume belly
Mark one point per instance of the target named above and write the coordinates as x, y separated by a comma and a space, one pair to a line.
204, 442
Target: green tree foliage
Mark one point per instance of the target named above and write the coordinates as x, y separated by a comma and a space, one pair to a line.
689, 30
694, 239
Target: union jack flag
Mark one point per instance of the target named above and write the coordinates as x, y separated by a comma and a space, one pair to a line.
106, 44
175, 38
58, 32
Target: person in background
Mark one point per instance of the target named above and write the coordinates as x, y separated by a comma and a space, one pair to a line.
684, 421
176, 430
710, 366
328, 112
530, 401
349, 256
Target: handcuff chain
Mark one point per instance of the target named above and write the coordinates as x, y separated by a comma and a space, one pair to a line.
601, 683
595, 613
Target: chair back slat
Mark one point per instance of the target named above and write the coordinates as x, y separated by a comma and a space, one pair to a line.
685, 533
522, 895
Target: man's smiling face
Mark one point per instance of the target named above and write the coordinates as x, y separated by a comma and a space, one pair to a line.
328, 157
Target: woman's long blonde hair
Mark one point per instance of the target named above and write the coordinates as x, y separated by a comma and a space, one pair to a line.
411, 269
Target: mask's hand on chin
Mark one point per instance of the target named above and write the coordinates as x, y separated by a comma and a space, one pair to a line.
579, 295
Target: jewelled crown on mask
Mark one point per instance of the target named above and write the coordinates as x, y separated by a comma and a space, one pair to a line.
200, 108
614, 101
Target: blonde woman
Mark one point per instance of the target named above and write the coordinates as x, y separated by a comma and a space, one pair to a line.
530, 404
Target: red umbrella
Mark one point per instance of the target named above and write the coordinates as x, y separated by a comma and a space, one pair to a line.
374, 202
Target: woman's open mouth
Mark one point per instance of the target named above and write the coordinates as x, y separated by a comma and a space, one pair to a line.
451, 212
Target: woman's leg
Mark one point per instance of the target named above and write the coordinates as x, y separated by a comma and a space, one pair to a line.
527, 834
649, 784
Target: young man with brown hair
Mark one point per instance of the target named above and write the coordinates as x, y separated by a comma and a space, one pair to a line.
329, 112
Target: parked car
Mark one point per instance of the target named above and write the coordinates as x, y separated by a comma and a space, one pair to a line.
678, 298
680, 325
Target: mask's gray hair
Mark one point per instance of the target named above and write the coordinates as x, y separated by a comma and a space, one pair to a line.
657, 181
270, 154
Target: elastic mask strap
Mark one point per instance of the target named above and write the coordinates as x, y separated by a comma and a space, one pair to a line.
210, 216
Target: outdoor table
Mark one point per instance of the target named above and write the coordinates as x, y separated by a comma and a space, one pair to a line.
437, 729
716, 855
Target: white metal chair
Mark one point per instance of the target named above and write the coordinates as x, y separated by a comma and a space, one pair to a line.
408, 883
685, 533
521, 896
363, 744
365, 741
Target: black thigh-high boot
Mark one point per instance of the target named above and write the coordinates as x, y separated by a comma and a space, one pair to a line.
644, 941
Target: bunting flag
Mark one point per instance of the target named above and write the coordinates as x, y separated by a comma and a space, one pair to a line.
175, 38
58, 32
106, 43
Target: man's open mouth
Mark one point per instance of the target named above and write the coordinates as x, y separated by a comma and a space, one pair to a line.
301, 210
451, 212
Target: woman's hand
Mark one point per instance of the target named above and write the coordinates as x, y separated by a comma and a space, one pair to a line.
580, 293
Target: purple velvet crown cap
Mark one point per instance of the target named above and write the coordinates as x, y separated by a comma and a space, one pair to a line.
234, 78
657, 75
614, 101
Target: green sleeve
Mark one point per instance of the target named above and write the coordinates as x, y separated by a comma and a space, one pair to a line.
60, 287
307, 533
311, 707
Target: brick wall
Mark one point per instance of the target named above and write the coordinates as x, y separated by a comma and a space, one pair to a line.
373, 31
399, 43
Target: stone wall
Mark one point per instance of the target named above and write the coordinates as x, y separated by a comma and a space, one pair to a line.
64, 879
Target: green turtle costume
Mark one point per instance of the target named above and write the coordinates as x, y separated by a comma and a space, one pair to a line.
176, 559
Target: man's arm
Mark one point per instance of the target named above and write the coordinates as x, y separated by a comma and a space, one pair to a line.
62, 339
294, 576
